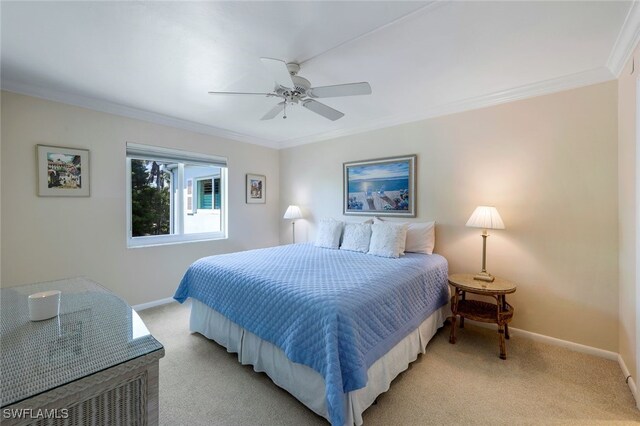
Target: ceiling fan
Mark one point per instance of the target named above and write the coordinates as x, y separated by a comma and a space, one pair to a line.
293, 90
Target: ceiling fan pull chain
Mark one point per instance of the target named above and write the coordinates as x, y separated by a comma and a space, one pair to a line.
285, 110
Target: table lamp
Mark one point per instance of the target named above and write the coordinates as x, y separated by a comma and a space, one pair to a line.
293, 212
485, 217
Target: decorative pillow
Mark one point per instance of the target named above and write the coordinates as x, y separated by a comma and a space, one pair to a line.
356, 237
329, 232
368, 221
387, 239
421, 236
378, 220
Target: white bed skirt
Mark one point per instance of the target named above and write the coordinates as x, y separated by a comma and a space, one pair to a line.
301, 381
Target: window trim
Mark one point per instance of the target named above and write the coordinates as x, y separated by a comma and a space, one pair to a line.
177, 222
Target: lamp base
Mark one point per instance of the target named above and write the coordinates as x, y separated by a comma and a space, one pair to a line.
484, 276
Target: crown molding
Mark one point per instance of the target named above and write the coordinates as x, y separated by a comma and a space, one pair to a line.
627, 40
572, 81
129, 112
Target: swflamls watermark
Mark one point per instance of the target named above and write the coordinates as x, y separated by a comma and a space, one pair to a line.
35, 413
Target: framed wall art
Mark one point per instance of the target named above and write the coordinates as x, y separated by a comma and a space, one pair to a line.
63, 172
380, 187
256, 187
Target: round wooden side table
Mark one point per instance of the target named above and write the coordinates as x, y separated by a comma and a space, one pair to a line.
499, 313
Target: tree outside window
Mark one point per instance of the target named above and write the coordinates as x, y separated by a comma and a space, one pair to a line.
150, 198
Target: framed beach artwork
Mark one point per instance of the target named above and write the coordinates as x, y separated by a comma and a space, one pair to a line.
256, 187
62, 172
380, 187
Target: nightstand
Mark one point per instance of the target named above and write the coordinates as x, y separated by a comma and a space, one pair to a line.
499, 313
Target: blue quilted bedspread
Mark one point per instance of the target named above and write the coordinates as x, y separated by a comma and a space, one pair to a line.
333, 310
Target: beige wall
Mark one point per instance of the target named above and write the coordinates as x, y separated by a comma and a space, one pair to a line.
51, 238
628, 214
549, 164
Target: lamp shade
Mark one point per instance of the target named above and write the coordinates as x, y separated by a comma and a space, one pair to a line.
293, 212
486, 217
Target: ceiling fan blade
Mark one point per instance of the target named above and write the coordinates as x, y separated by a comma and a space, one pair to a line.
349, 89
242, 93
279, 71
322, 109
273, 111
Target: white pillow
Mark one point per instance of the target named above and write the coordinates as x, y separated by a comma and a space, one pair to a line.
368, 221
329, 232
421, 237
356, 237
378, 220
387, 239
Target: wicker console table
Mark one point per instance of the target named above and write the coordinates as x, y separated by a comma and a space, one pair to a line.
94, 364
499, 313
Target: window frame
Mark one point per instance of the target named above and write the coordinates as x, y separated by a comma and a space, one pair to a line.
178, 192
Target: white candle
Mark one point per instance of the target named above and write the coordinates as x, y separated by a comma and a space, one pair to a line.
44, 305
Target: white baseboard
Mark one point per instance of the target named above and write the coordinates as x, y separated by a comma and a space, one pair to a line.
577, 347
153, 304
630, 381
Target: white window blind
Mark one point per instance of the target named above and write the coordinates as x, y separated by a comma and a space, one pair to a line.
147, 152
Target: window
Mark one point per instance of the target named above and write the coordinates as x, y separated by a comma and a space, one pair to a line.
209, 193
174, 196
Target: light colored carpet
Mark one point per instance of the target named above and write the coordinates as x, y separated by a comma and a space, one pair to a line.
465, 383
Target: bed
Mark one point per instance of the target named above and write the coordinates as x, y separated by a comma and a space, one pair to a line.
331, 327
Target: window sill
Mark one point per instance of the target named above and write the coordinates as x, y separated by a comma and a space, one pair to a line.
165, 240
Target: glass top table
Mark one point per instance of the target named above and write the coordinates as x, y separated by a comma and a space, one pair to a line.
95, 330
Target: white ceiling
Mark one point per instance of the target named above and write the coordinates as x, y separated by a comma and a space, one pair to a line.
157, 60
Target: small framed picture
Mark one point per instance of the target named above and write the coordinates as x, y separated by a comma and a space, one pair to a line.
256, 187
62, 172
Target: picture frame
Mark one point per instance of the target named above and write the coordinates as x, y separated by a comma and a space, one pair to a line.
380, 187
256, 189
63, 172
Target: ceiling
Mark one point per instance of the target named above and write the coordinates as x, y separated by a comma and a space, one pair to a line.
157, 60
